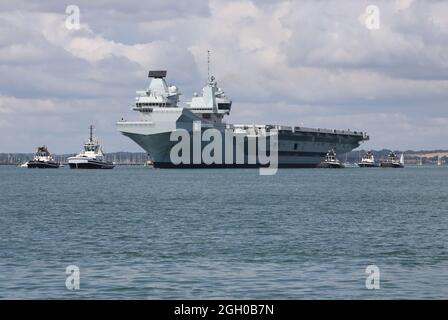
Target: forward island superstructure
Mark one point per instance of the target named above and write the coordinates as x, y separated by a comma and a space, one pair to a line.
161, 115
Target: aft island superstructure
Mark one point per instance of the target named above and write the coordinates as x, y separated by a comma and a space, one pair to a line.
161, 115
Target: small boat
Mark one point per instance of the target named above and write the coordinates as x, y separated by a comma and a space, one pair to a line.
367, 161
392, 161
91, 157
439, 160
331, 161
42, 160
348, 164
420, 161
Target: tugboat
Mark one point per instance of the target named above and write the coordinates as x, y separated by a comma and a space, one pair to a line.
331, 161
392, 161
42, 160
91, 157
367, 161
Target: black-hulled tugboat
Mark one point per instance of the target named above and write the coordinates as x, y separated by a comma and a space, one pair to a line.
43, 160
91, 157
367, 161
392, 161
331, 161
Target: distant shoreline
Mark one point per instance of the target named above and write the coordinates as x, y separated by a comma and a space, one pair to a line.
140, 158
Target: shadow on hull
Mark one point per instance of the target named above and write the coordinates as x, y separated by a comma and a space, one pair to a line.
392, 165
331, 166
168, 165
367, 165
43, 165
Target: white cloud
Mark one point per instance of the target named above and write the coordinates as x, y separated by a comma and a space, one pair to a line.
402, 4
312, 61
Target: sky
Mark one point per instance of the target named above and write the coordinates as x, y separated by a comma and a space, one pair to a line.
328, 64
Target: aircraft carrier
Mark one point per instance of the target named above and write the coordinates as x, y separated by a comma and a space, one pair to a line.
161, 115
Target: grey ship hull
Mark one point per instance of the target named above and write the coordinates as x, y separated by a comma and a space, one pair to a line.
299, 149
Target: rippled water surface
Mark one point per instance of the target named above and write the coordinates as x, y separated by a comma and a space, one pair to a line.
137, 232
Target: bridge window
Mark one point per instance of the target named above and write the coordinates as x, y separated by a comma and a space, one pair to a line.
224, 106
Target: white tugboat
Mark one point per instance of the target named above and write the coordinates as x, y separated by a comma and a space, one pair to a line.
367, 161
91, 157
42, 160
331, 161
392, 161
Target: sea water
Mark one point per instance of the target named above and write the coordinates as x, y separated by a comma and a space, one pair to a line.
138, 232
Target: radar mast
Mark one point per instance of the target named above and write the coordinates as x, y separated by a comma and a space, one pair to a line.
91, 133
208, 65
